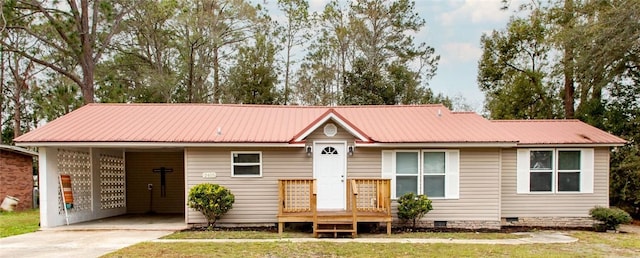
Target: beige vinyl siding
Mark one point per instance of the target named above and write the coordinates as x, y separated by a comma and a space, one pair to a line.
479, 189
553, 204
365, 163
341, 135
479, 183
139, 173
256, 198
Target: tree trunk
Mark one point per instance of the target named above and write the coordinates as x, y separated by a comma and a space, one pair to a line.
19, 86
87, 83
286, 76
1, 88
569, 87
17, 116
217, 92
190, 79
87, 63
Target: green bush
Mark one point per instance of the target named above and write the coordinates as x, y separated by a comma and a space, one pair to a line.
610, 217
412, 207
212, 200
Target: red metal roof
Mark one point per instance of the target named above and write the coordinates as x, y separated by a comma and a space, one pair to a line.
207, 123
557, 132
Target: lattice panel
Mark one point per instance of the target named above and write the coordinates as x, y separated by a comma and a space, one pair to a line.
77, 164
367, 196
112, 182
297, 195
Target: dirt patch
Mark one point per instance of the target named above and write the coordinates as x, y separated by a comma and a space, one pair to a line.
259, 229
633, 228
373, 228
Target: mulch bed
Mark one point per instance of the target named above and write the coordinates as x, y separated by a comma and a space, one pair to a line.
373, 229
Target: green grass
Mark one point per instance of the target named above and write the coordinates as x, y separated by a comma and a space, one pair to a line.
590, 244
222, 234
446, 235
16, 223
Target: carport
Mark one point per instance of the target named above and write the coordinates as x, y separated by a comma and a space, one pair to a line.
145, 184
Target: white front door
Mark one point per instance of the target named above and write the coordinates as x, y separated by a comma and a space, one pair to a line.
329, 172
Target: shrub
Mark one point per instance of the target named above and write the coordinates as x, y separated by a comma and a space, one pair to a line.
212, 200
412, 207
610, 217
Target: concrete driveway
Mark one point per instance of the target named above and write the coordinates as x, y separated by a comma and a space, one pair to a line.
59, 243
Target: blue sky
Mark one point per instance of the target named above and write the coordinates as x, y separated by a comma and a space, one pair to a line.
453, 28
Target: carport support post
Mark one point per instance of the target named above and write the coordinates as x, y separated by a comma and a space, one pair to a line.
48, 183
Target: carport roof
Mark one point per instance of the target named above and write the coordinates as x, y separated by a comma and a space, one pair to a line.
210, 123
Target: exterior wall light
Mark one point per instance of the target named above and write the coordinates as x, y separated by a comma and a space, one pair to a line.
351, 149
309, 150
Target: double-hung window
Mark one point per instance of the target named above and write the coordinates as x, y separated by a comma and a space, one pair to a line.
430, 172
434, 173
246, 164
555, 171
407, 172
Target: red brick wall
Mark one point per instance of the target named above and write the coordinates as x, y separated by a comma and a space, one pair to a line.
16, 178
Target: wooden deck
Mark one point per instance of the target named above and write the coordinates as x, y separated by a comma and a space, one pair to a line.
368, 200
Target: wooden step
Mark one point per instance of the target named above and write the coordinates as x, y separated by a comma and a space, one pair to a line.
334, 230
336, 222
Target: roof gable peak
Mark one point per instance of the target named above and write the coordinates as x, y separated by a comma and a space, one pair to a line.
331, 114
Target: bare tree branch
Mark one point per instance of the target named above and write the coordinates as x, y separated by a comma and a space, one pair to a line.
71, 76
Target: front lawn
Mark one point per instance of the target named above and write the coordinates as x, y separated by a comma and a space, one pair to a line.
20, 222
590, 244
224, 234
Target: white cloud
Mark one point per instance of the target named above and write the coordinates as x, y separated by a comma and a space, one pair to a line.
475, 11
457, 52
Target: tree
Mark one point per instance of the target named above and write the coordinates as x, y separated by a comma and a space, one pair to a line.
143, 66
382, 39
609, 52
79, 33
365, 86
316, 82
207, 28
295, 34
55, 97
360, 47
253, 79
622, 118
599, 46
382, 33
22, 75
511, 71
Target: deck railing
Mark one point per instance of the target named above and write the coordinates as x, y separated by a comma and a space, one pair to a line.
368, 200
296, 195
363, 195
373, 195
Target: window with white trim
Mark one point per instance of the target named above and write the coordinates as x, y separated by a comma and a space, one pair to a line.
430, 172
246, 164
555, 170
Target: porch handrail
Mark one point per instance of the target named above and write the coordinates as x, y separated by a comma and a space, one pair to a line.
354, 205
314, 206
374, 195
296, 195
